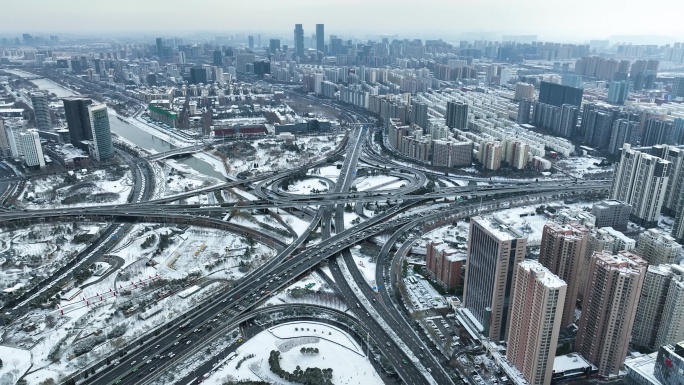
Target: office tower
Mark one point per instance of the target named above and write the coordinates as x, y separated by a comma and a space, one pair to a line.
78, 120
561, 251
571, 80
41, 111
101, 148
31, 148
299, 41
274, 45
676, 158
320, 38
614, 284
218, 58
524, 91
536, 307
457, 115
160, 47
557, 95
242, 61
598, 129
659, 318
567, 123
641, 180
658, 131
524, 110
250, 42
618, 92
494, 250
611, 213
658, 248
624, 131
678, 86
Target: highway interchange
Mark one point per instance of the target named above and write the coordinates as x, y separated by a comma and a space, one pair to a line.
147, 357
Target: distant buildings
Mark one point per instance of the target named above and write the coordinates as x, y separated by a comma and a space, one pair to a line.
494, 250
557, 95
609, 308
299, 41
444, 264
320, 38
536, 309
618, 92
101, 147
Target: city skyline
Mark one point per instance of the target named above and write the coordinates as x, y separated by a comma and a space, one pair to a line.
432, 19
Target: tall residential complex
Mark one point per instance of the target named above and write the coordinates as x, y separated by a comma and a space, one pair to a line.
101, 147
457, 115
41, 110
561, 251
320, 38
524, 91
678, 86
641, 180
536, 307
676, 157
78, 120
299, 41
5, 149
494, 250
618, 92
557, 95
609, 309
31, 148
657, 247
659, 319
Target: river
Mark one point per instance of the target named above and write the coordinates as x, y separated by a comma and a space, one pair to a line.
126, 130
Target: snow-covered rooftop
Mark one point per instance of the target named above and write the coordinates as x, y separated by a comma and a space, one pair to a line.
543, 275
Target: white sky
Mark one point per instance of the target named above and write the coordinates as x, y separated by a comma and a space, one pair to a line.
573, 20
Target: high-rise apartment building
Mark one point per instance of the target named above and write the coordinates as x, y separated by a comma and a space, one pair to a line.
29, 141
4, 140
457, 115
658, 131
609, 309
657, 247
598, 129
494, 250
659, 319
299, 41
567, 122
41, 110
676, 183
618, 92
490, 155
561, 251
536, 306
641, 180
678, 86
419, 114
624, 131
78, 120
524, 111
101, 147
320, 38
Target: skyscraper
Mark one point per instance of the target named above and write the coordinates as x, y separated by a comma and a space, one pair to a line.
598, 129
524, 111
494, 250
198, 75
101, 148
624, 131
218, 57
4, 140
567, 123
299, 41
78, 120
274, 45
561, 251
678, 86
536, 306
641, 180
676, 158
618, 92
41, 111
320, 38
609, 309
658, 131
457, 115
160, 47
250, 42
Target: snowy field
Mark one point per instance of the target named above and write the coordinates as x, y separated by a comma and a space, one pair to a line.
585, 167
364, 264
308, 186
15, 362
337, 351
330, 172
377, 182
78, 189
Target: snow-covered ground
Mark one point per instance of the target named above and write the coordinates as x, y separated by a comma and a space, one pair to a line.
15, 362
337, 351
330, 172
306, 186
364, 264
77, 189
298, 225
377, 182
584, 167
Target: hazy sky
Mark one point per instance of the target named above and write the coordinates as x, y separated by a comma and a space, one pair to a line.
573, 20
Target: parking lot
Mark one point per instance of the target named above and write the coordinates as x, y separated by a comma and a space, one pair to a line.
422, 295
